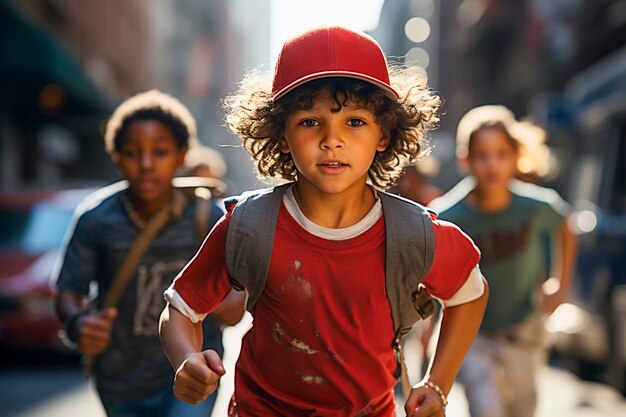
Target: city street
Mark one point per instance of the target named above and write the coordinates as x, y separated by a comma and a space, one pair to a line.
62, 391
65, 393
127, 128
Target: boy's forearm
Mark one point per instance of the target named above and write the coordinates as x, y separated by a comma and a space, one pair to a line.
459, 326
179, 336
568, 251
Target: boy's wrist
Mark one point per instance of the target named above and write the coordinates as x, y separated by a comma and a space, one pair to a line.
437, 389
71, 325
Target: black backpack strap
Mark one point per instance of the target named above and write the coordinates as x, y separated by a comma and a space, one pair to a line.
409, 257
250, 239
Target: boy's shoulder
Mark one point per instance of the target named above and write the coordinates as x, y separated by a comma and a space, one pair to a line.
541, 199
397, 205
451, 201
101, 201
232, 201
533, 192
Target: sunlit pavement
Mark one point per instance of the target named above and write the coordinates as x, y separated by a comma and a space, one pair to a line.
61, 392
561, 393
79, 403
55, 391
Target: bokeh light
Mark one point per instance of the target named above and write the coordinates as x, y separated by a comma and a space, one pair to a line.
417, 29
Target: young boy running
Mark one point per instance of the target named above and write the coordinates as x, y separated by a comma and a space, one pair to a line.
322, 341
147, 137
511, 222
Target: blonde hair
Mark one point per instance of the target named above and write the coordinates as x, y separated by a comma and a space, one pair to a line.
479, 118
527, 138
534, 154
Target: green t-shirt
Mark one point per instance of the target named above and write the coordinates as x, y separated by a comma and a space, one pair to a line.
514, 244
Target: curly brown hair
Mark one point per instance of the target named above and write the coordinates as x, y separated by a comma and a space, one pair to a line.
260, 122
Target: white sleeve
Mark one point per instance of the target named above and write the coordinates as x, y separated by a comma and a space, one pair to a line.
473, 288
175, 300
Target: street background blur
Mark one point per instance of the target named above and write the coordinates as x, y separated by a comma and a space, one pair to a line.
66, 64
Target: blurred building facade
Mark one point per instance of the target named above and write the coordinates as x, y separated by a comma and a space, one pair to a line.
67, 63
520, 53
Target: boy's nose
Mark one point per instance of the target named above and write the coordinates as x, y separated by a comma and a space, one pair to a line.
331, 140
146, 160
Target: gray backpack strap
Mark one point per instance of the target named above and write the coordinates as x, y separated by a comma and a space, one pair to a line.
409, 257
250, 239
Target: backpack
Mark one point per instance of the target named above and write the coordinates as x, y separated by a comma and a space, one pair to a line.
250, 238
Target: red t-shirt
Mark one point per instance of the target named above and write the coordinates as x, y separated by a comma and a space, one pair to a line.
321, 342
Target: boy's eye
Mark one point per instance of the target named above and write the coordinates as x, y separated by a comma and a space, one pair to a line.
309, 123
161, 152
356, 122
129, 153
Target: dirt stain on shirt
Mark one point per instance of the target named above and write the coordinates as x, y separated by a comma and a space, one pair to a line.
312, 379
299, 287
293, 343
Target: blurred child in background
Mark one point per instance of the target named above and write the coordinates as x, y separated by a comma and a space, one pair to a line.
509, 220
147, 136
414, 181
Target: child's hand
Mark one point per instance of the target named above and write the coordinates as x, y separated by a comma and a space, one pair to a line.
94, 331
550, 302
552, 295
424, 402
198, 376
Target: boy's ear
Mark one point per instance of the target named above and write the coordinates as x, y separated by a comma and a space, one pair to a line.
383, 143
463, 163
115, 157
283, 145
181, 156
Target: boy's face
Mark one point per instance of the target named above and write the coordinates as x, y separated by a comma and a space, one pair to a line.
148, 158
332, 150
492, 158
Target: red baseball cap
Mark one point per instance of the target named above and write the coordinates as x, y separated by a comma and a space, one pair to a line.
330, 52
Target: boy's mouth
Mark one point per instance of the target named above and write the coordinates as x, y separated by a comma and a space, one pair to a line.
333, 164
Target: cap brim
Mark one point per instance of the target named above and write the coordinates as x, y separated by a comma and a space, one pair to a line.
389, 92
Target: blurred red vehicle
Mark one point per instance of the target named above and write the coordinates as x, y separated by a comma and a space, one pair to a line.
32, 229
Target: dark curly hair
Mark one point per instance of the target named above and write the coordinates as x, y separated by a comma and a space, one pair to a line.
260, 122
151, 105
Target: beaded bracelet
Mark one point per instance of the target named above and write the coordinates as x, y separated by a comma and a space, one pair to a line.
438, 390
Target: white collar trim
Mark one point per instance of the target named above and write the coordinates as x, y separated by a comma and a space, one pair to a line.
327, 232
